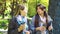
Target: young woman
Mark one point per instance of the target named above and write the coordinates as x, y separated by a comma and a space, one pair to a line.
41, 22
18, 24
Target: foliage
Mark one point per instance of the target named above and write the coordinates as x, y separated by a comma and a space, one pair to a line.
1, 33
45, 3
7, 9
32, 6
3, 23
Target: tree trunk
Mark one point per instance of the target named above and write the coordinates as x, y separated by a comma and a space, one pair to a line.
54, 12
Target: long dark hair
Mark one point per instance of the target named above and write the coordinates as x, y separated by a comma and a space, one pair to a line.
37, 16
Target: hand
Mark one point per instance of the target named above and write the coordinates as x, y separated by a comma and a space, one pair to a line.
38, 28
21, 27
50, 28
42, 28
27, 32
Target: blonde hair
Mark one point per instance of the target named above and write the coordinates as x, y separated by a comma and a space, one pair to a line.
20, 7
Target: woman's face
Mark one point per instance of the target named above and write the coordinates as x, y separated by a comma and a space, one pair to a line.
23, 13
40, 11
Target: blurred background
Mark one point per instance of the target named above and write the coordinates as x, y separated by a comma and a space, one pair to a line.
8, 9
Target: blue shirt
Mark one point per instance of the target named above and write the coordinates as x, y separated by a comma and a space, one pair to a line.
22, 20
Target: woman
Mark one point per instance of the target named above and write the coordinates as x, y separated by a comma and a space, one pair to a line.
41, 22
18, 24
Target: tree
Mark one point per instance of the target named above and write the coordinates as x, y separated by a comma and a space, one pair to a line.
54, 12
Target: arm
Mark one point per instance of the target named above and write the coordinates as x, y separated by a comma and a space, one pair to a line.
32, 24
13, 27
50, 26
50, 23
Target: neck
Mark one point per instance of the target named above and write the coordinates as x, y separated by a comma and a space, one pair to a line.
42, 15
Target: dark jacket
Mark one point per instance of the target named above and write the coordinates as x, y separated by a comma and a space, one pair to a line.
13, 26
32, 27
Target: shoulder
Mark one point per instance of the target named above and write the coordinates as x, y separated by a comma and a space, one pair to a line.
33, 18
13, 19
49, 18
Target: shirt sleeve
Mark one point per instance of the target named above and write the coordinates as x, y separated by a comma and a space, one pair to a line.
50, 21
26, 25
32, 24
